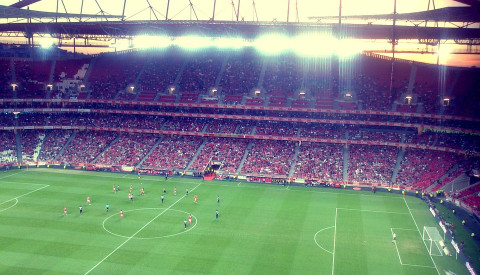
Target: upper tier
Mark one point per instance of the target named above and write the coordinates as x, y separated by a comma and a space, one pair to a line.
243, 77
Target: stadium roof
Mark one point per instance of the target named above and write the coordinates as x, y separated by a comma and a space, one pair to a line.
448, 14
13, 12
244, 29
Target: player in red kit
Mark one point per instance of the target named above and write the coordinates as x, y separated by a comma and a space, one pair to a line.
131, 188
121, 213
190, 219
65, 211
175, 191
114, 189
195, 198
88, 200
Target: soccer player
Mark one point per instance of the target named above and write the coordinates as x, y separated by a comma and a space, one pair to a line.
88, 200
216, 214
166, 176
114, 189
195, 198
118, 187
175, 191
107, 207
185, 223
163, 198
81, 209
130, 196
142, 191
138, 175
164, 190
190, 219
394, 238
186, 192
121, 214
218, 199
131, 188
65, 211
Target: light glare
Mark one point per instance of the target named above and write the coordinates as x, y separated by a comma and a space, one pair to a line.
145, 41
193, 42
272, 44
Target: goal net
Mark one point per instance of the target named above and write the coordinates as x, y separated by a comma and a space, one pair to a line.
433, 239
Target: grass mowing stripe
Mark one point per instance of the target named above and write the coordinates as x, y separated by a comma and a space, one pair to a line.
416, 225
138, 231
315, 190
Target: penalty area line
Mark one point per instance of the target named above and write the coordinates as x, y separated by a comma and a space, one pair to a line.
373, 211
138, 231
396, 247
23, 195
334, 239
418, 230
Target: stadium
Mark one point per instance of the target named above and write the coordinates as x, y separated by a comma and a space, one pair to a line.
239, 137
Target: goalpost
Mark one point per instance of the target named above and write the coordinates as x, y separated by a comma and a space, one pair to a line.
434, 239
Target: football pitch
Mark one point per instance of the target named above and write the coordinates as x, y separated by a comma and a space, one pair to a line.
261, 229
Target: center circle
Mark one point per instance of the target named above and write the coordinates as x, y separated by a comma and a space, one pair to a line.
169, 224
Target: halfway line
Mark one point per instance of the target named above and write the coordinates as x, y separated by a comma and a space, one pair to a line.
138, 231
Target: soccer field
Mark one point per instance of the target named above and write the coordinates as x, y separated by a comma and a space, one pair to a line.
261, 229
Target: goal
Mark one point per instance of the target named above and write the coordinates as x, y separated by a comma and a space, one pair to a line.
433, 238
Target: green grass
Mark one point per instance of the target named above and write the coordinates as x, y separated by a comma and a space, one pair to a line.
262, 229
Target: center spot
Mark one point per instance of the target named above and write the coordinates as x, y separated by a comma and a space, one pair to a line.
169, 224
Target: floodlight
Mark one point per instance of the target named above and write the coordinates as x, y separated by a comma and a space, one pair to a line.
46, 42
272, 43
193, 42
229, 43
314, 44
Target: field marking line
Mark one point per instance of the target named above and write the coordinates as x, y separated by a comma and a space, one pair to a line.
405, 229
150, 238
287, 187
315, 239
373, 211
334, 240
416, 225
138, 231
396, 247
46, 185
44, 170
16, 198
31, 183
416, 265
11, 174
16, 201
